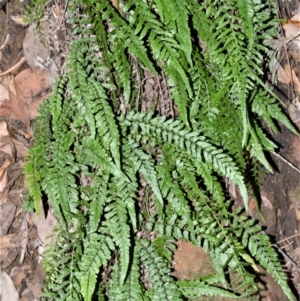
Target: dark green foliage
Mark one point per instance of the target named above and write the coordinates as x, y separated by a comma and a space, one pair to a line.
126, 184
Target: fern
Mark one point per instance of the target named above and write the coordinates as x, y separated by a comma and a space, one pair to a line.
126, 184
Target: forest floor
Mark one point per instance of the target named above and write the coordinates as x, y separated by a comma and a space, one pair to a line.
28, 68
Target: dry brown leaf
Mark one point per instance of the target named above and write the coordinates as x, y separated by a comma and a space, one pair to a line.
7, 148
3, 167
58, 13
115, 3
19, 274
35, 48
30, 83
8, 256
8, 291
295, 55
21, 148
33, 82
21, 20
10, 241
34, 106
295, 20
283, 76
7, 215
294, 77
3, 183
292, 31
4, 93
45, 226
12, 85
15, 68
3, 129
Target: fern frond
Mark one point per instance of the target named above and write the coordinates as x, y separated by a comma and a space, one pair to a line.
259, 248
33, 179
190, 142
116, 225
164, 286
133, 288
97, 252
196, 288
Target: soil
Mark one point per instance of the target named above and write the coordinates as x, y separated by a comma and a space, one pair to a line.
24, 235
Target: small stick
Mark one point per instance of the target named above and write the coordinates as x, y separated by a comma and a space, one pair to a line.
5, 42
287, 257
15, 67
286, 161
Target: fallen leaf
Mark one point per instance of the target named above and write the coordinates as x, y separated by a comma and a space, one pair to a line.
292, 31
30, 83
34, 106
295, 20
8, 291
7, 215
12, 85
19, 274
3, 182
21, 148
3, 129
35, 48
295, 55
283, 76
7, 148
4, 93
15, 68
8, 256
10, 241
21, 20
4, 167
293, 76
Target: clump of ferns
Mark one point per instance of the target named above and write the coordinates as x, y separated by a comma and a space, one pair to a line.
126, 183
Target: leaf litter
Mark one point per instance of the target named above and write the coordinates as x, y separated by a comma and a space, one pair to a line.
27, 72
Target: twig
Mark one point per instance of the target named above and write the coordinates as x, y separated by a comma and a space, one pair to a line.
286, 161
15, 67
287, 257
5, 42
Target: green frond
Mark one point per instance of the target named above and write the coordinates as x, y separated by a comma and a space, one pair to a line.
97, 252
197, 288
133, 289
122, 70
260, 248
192, 143
163, 286
33, 179
115, 224
145, 165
